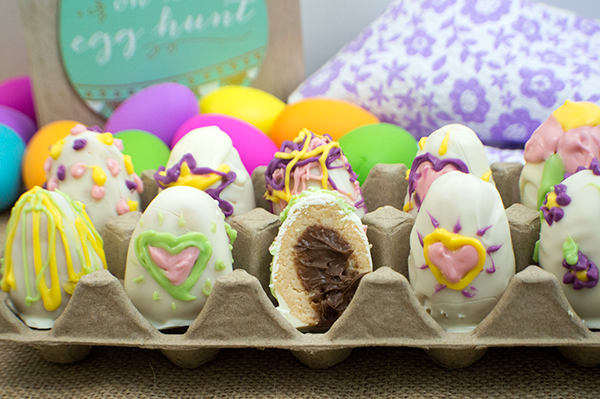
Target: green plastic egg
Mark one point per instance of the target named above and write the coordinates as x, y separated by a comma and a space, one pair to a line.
145, 149
376, 143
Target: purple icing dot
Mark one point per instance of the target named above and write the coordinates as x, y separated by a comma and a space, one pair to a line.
481, 232
60, 172
457, 227
131, 185
79, 144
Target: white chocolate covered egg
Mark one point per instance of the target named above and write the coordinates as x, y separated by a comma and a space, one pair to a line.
90, 168
206, 159
311, 160
452, 147
50, 244
180, 247
567, 140
569, 240
461, 255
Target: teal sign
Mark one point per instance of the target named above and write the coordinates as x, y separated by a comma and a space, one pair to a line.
114, 48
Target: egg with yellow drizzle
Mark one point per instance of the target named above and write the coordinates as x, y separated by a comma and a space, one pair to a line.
90, 167
50, 244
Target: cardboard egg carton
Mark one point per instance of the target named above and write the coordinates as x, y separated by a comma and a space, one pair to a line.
240, 311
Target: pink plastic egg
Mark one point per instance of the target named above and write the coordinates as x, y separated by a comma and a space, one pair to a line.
17, 121
17, 93
158, 109
254, 146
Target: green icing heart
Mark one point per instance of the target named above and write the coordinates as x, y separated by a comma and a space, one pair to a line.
173, 245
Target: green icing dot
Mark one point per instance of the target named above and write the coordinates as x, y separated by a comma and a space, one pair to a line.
219, 265
134, 261
231, 233
139, 279
141, 222
206, 290
181, 221
155, 296
173, 306
161, 218
536, 252
213, 227
570, 251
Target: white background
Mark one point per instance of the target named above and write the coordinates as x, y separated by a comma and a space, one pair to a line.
326, 26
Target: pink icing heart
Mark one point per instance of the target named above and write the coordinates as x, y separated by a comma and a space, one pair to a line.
178, 266
428, 176
453, 264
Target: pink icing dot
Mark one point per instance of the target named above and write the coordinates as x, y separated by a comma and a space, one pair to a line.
122, 206
119, 144
48, 164
113, 167
78, 169
97, 192
78, 129
139, 182
52, 183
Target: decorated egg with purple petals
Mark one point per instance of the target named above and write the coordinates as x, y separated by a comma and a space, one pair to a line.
568, 246
88, 165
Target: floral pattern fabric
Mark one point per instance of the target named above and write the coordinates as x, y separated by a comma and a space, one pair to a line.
498, 66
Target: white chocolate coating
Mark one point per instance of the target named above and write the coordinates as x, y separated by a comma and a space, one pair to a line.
580, 222
212, 147
453, 141
71, 227
175, 212
95, 174
473, 217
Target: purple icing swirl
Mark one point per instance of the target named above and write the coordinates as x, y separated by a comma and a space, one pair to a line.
583, 264
172, 175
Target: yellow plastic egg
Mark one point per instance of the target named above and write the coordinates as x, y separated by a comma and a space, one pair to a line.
38, 151
254, 106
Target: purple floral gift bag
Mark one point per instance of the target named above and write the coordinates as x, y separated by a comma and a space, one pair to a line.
498, 66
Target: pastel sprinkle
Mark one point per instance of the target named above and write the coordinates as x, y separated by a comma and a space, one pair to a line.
133, 205
52, 184
79, 144
113, 167
78, 129
106, 138
207, 289
128, 164
118, 144
98, 175
139, 280
161, 218
156, 296
98, 192
139, 183
60, 172
78, 169
56, 148
219, 265
48, 164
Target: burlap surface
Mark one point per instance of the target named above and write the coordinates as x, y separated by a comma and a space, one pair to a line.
110, 372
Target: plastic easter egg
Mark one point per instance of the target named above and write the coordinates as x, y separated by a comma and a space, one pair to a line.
369, 145
158, 109
11, 154
17, 93
146, 150
321, 116
38, 151
17, 121
255, 147
254, 106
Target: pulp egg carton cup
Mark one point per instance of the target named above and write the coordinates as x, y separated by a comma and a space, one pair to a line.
240, 312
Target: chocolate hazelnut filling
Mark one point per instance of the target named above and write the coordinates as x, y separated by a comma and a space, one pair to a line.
322, 257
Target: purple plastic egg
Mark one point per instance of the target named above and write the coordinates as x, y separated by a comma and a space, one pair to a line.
254, 146
17, 121
158, 109
17, 93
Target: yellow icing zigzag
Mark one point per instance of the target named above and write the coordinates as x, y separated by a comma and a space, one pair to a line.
201, 182
572, 115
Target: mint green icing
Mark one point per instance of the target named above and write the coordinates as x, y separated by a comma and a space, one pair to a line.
207, 289
219, 265
231, 233
173, 245
570, 251
181, 221
139, 280
173, 306
337, 197
161, 218
141, 222
213, 227
554, 172
536, 252
156, 296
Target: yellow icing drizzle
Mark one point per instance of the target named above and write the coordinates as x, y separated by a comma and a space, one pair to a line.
407, 174
422, 142
296, 156
128, 164
98, 175
56, 148
551, 200
582, 275
486, 176
37, 201
453, 242
408, 206
106, 138
444, 146
572, 115
201, 182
